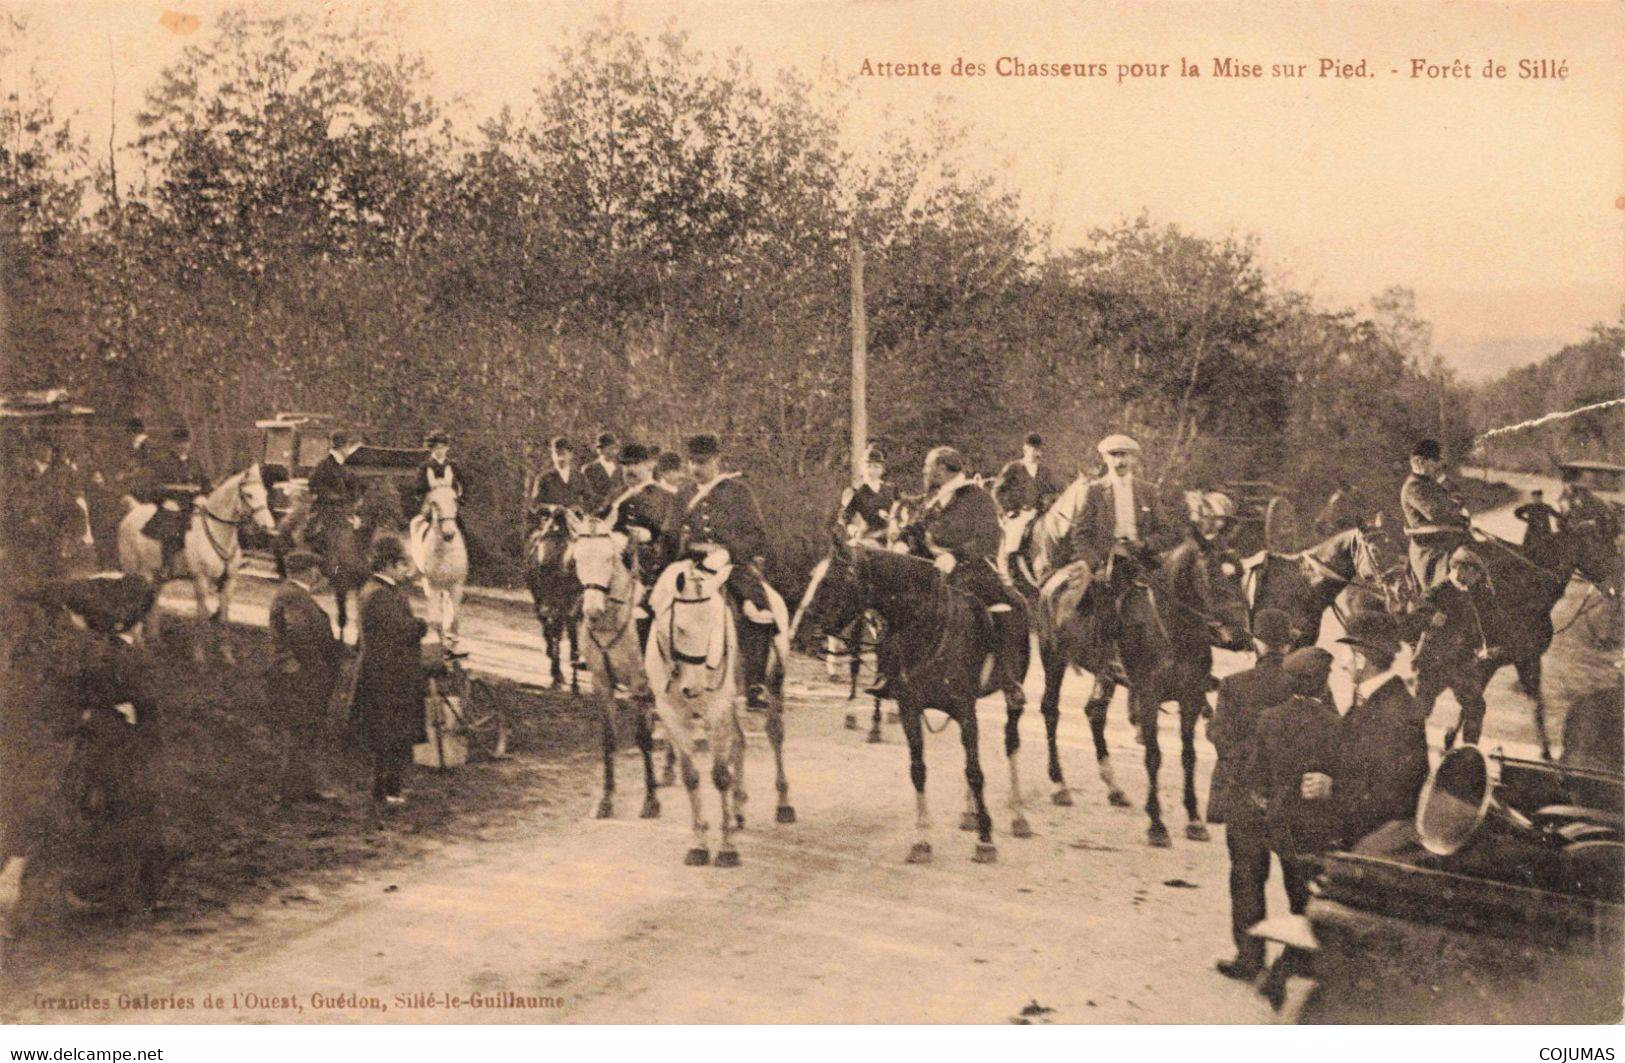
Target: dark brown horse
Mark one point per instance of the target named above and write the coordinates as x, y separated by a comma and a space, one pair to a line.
1168, 629
1354, 570
943, 643
341, 544
1525, 583
555, 592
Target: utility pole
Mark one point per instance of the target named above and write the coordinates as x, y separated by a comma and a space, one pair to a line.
860, 366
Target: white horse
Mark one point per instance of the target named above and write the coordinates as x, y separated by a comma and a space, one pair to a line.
441, 557
211, 556
692, 664
608, 642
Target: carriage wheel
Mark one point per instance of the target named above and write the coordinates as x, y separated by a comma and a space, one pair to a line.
1281, 525
485, 713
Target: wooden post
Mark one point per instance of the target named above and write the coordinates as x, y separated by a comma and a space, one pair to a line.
860, 366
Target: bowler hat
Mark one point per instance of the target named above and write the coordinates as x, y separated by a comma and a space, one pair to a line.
1306, 670
1373, 631
387, 551
559, 445
1035, 440
703, 446
635, 454
437, 439
181, 435
1272, 627
875, 455
605, 439
668, 461
1428, 449
135, 426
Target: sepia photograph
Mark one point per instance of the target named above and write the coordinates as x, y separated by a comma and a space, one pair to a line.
850, 513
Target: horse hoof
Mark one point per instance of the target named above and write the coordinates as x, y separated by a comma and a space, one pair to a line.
1020, 828
986, 853
668, 777
697, 857
739, 821
1117, 799
786, 814
851, 722
606, 809
891, 716
1546, 753
920, 853
727, 858
651, 809
874, 738
969, 822
1157, 835
1196, 832
1062, 797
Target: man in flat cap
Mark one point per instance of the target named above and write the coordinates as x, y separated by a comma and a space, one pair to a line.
1383, 753
558, 487
722, 524
1243, 696
1026, 484
1114, 524
306, 660
1467, 631
1435, 519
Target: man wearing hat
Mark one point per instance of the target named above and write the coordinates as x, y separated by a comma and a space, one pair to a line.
1383, 754
334, 491
720, 515
959, 527
560, 486
1435, 520
1243, 696
1541, 520
173, 482
601, 478
870, 505
1579, 507
437, 470
306, 660
390, 684
1025, 483
1115, 518
647, 512
1467, 631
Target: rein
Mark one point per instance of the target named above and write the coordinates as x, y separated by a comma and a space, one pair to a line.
249, 509
688, 658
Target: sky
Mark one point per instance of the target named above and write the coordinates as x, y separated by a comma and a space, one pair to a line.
1500, 201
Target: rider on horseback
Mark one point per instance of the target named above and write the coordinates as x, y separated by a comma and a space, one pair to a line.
959, 527
1435, 519
438, 471
722, 524
334, 491
647, 512
869, 507
172, 482
1465, 605
559, 487
1113, 525
1026, 484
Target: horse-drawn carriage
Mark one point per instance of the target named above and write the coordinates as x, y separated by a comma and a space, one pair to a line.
292, 444
1266, 519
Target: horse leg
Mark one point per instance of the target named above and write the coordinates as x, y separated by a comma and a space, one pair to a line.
608, 713
920, 852
875, 737
1190, 710
1050, 708
671, 716
574, 636
832, 656
222, 618
1529, 676
644, 735
1019, 827
1095, 710
1156, 833
775, 736
727, 761
985, 853
200, 593
553, 635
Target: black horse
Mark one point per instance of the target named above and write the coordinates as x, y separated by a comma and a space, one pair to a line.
1526, 583
1355, 570
943, 643
1169, 619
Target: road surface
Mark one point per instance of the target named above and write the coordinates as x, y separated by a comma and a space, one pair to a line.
567, 918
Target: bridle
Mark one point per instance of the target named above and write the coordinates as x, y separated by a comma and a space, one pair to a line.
618, 622
249, 510
700, 660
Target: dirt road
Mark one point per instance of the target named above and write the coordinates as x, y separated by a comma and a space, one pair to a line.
578, 920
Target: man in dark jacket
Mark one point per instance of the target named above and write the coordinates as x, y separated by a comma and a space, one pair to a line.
1435, 519
173, 481
560, 486
306, 667
390, 686
334, 492
601, 478
870, 505
1540, 519
1243, 696
1027, 483
1383, 750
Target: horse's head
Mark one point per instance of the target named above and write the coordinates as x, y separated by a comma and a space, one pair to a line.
1379, 553
698, 634
1227, 600
599, 556
834, 598
1596, 553
253, 497
440, 505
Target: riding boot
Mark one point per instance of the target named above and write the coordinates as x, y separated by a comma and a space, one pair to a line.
1010, 628
754, 640
884, 665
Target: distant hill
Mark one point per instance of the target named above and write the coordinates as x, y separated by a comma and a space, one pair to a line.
1580, 374
1484, 334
